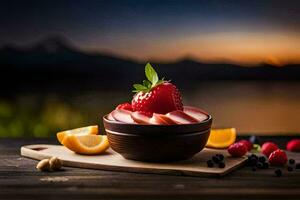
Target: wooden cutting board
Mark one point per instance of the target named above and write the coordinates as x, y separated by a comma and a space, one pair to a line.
113, 161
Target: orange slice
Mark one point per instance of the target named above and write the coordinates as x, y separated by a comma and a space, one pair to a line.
86, 144
88, 130
221, 138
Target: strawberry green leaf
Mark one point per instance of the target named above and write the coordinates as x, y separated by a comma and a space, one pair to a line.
161, 81
152, 81
151, 74
147, 83
139, 87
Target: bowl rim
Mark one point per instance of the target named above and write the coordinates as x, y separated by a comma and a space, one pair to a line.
209, 118
153, 129
139, 135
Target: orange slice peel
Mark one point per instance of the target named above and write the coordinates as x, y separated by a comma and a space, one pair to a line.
221, 138
88, 130
84, 140
86, 144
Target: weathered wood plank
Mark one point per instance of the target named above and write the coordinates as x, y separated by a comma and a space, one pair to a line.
20, 180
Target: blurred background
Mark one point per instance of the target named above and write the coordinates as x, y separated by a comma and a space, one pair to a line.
64, 64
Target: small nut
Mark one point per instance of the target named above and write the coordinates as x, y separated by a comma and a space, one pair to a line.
43, 165
55, 163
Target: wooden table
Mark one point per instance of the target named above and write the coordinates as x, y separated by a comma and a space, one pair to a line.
20, 180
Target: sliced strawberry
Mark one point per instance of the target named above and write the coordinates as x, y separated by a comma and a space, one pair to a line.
141, 117
268, 147
278, 158
194, 109
196, 113
293, 145
181, 117
110, 117
161, 119
122, 116
125, 106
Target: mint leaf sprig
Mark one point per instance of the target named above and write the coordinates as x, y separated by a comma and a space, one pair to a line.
151, 81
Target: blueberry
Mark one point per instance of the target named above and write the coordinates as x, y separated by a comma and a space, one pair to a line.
291, 161
254, 139
215, 159
251, 161
278, 172
259, 165
297, 166
262, 159
221, 165
254, 156
220, 156
289, 168
210, 163
265, 165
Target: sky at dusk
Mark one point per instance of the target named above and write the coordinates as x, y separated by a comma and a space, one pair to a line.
246, 32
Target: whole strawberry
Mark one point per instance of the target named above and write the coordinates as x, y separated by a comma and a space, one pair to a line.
125, 106
237, 149
268, 147
293, 145
156, 96
247, 143
278, 158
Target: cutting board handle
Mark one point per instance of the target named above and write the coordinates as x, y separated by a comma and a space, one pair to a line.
32, 151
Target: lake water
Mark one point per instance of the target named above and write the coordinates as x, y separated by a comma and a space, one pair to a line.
250, 106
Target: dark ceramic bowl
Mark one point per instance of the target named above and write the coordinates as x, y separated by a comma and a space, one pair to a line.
157, 143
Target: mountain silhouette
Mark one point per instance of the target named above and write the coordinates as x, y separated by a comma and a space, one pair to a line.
54, 61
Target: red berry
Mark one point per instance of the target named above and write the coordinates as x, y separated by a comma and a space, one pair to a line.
268, 147
293, 145
161, 99
125, 106
247, 143
278, 158
237, 149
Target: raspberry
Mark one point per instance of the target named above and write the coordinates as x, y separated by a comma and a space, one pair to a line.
293, 145
268, 147
237, 150
278, 158
247, 143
